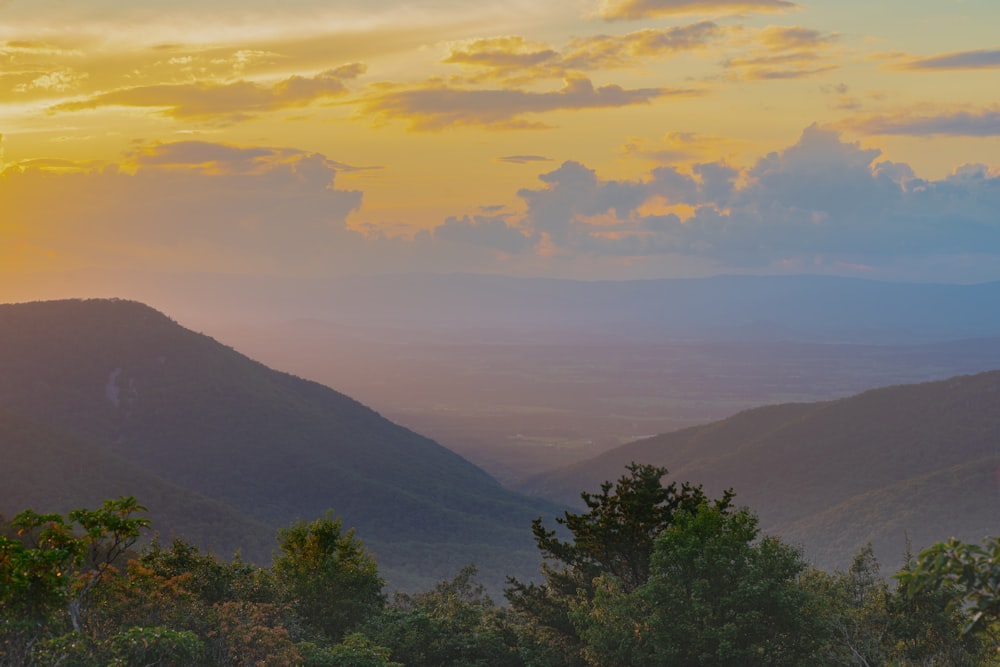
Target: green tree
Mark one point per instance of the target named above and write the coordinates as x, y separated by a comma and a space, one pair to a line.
870, 623
616, 536
329, 579
49, 571
356, 650
718, 595
971, 572
455, 624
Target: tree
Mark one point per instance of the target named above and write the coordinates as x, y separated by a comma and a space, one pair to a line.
971, 572
616, 536
455, 624
329, 579
717, 595
869, 623
49, 571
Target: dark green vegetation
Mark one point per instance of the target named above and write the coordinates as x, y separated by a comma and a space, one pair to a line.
650, 575
105, 397
917, 460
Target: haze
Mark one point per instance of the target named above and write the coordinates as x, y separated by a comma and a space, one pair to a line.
291, 179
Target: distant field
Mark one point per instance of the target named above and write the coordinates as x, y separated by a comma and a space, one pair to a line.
526, 406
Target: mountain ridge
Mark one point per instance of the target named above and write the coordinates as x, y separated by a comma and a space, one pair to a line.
269, 445
803, 466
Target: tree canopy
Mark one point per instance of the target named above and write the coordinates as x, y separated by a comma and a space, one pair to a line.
652, 574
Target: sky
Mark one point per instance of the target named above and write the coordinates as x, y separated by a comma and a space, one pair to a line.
590, 139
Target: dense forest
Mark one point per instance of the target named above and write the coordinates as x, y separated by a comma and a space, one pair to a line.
651, 573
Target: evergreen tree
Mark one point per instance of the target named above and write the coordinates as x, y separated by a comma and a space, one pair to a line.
615, 537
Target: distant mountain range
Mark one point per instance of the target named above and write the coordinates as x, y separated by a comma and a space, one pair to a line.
912, 461
795, 307
101, 398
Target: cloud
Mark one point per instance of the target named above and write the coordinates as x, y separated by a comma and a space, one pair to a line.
613, 10
675, 147
964, 123
622, 50
490, 231
195, 205
958, 60
820, 202
231, 101
514, 59
436, 106
523, 159
572, 193
780, 38
504, 53
785, 52
55, 81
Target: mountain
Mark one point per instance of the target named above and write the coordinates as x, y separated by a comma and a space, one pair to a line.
48, 469
136, 388
912, 460
732, 307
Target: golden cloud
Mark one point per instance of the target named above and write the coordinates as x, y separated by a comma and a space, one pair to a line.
622, 50
514, 59
56, 81
676, 147
511, 52
436, 106
613, 10
785, 52
231, 101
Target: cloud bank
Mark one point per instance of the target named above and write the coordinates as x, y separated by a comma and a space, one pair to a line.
821, 204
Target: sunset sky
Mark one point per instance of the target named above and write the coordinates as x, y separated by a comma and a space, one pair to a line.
586, 139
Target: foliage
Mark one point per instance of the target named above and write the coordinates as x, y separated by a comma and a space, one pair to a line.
49, 572
970, 571
355, 650
453, 625
331, 582
717, 594
150, 647
869, 623
652, 575
252, 634
615, 537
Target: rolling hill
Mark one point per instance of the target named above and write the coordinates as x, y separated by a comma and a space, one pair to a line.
912, 460
146, 398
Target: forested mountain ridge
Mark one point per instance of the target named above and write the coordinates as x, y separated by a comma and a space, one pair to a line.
917, 461
56, 470
268, 445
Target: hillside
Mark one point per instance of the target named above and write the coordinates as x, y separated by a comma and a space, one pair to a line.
52, 470
918, 460
269, 446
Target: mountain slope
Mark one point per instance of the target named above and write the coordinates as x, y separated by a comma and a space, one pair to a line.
835, 474
48, 469
272, 446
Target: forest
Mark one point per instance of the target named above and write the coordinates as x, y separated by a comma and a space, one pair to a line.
649, 574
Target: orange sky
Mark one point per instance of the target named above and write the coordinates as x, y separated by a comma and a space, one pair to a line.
615, 139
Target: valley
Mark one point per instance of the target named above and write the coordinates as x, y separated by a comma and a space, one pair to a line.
520, 405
